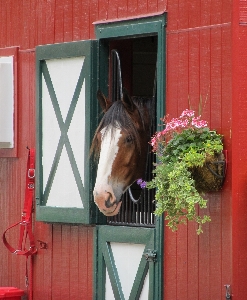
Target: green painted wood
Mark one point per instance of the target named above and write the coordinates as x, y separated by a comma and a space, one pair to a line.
108, 234
89, 50
140, 277
136, 27
112, 271
158, 278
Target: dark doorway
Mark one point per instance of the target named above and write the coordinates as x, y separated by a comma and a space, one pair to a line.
138, 57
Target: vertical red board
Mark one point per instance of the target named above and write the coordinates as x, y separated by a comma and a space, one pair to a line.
205, 12
183, 13
170, 241
68, 21
122, 8
85, 19
205, 72
170, 263
226, 130
193, 262
182, 261
42, 283
194, 89
172, 74
183, 95
59, 22
239, 157
57, 273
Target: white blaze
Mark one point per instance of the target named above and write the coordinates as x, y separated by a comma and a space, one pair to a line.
109, 149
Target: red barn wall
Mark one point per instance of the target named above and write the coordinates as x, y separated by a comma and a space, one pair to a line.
64, 270
199, 66
206, 63
239, 149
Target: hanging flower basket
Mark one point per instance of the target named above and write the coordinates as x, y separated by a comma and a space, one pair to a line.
190, 162
210, 177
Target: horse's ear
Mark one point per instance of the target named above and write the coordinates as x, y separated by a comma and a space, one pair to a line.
103, 101
127, 101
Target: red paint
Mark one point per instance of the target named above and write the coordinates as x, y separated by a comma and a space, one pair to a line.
11, 293
239, 147
199, 70
206, 57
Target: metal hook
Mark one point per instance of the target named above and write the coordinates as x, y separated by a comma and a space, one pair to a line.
228, 291
43, 245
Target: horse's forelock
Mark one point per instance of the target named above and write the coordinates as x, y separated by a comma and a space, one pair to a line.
118, 117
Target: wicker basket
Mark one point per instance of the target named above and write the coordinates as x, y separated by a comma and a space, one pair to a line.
210, 177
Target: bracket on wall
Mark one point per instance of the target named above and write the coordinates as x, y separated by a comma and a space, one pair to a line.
228, 291
42, 245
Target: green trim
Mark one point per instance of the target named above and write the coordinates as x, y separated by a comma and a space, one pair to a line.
140, 278
124, 234
62, 215
129, 28
112, 271
161, 108
87, 49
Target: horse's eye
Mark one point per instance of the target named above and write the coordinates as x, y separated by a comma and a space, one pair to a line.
129, 139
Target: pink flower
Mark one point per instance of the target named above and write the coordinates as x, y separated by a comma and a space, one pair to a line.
198, 123
187, 120
184, 123
188, 113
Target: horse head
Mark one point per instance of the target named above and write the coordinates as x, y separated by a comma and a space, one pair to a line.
121, 141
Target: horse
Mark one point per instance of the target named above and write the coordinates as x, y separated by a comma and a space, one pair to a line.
120, 144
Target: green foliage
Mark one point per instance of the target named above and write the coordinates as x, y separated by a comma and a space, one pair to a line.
176, 194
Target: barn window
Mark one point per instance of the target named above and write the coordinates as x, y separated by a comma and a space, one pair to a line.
8, 95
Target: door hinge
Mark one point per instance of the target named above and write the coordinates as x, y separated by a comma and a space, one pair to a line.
150, 255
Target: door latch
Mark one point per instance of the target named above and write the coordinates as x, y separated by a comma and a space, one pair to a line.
150, 255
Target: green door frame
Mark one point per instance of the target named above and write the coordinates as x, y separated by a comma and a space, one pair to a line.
141, 27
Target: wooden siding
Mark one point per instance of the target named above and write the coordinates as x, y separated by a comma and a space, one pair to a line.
38, 22
65, 269
199, 67
204, 61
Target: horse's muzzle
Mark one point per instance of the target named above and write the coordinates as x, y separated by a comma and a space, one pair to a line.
106, 202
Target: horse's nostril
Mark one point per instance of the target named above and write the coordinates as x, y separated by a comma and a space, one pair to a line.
108, 202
